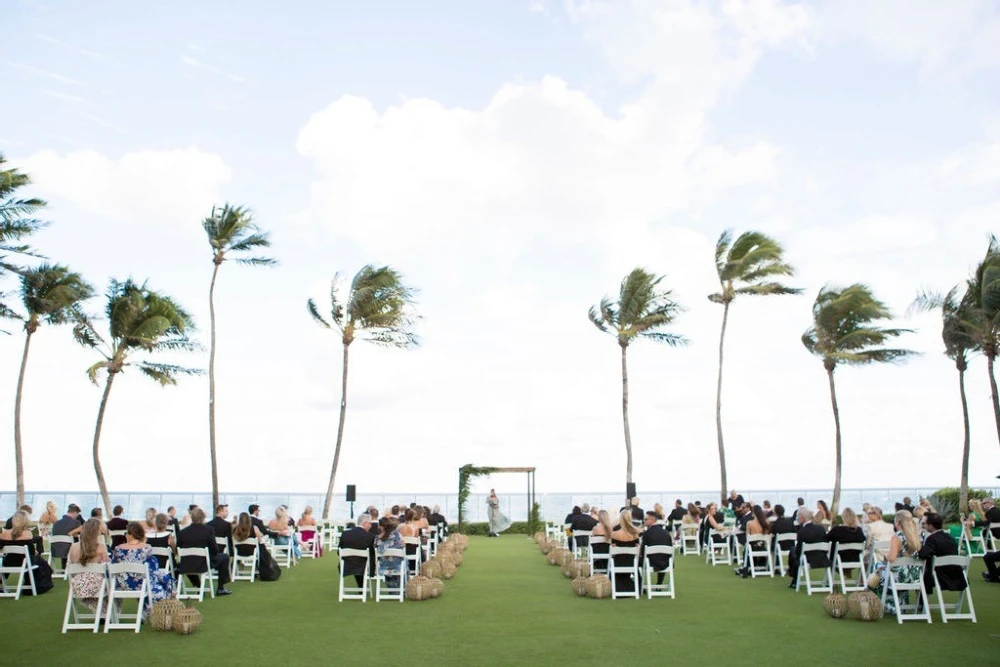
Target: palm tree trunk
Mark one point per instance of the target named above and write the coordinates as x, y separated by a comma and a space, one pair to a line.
101, 484
835, 504
211, 391
718, 406
18, 460
990, 358
963, 494
628, 434
340, 438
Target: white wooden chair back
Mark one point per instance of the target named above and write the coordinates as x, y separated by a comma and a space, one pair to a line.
24, 571
399, 570
805, 570
206, 576
781, 554
78, 616
119, 592
843, 563
245, 567
598, 561
348, 589
630, 568
913, 610
956, 613
758, 548
649, 574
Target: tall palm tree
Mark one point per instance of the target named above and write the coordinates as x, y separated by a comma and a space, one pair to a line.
984, 295
959, 342
16, 218
642, 310
845, 331
747, 266
231, 231
377, 308
139, 320
50, 294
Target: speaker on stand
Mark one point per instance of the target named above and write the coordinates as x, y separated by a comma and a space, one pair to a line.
352, 494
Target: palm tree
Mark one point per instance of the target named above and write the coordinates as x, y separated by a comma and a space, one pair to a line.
231, 231
139, 320
844, 332
746, 267
959, 343
984, 297
643, 309
51, 294
376, 308
16, 218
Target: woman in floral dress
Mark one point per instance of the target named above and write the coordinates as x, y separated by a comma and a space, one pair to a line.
388, 538
136, 550
89, 550
906, 542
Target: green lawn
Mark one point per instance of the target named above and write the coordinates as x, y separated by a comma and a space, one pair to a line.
508, 606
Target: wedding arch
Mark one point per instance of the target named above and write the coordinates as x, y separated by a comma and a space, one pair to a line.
468, 472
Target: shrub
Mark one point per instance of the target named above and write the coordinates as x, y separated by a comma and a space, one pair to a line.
945, 501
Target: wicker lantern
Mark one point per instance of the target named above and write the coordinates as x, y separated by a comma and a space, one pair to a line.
418, 588
431, 569
598, 586
865, 606
437, 587
448, 569
187, 620
580, 586
555, 556
457, 558
161, 616
835, 605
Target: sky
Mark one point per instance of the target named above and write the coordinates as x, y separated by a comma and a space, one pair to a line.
514, 159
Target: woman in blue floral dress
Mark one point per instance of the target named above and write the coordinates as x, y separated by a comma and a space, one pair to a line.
135, 550
388, 538
906, 542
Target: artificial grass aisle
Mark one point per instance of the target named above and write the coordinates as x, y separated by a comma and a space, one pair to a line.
508, 606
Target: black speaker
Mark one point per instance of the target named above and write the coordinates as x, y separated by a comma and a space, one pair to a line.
351, 493
630, 490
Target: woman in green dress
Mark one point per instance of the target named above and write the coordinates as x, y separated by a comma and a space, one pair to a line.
905, 542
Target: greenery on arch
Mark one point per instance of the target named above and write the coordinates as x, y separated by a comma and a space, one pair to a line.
465, 476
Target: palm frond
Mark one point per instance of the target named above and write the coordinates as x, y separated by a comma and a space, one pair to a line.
314, 311
721, 249
165, 374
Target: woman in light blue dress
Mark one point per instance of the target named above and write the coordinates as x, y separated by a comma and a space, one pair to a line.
498, 522
389, 538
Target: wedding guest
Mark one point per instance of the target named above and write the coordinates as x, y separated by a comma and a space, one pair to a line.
283, 534
624, 535
879, 530
10, 520
70, 524
46, 520
602, 529
135, 550
388, 538
822, 513
198, 535
98, 513
810, 532
905, 542
222, 527
849, 532
150, 522
172, 514
90, 549
116, 523
307, 527
162, 537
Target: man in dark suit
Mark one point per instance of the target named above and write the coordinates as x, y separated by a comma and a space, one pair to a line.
254, 512
359, 537
10, 522
940, 543
437, 519
220, 524
907, 505
71, 525
172, 514
655, 535
117, 522
809, 533
992, 513
677, 513
582, 521
198, 535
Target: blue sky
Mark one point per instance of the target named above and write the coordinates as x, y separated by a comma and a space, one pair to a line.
514, 160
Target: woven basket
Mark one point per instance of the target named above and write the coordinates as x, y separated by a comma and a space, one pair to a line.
555, 556
457, 558
546, 546
580, 586
418, 588
161, 616
598, 586
865, 606
448, 569
431, 569
437, 587
187, 620
538, 537
835, 605
581, 568
566, 557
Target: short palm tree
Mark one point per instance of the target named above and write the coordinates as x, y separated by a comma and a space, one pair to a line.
984, 298
642, 311
231, 232
139, 320
845, 331
50, 294
377, 308
747, 267
959, 342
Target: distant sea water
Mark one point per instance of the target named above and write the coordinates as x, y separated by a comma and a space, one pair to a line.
554, 506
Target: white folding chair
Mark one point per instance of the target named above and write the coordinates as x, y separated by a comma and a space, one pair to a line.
223, 545
118, 593
382, 589
805, 570
54, 562
649, 574
631, 568
78, 616
971, 544
781, 554
580, 552
10, 565
245, 567
331, 536
991, 539
165, 557
112, 534
758, 548
282, 553
598, 561
966, 594
718, 552
689, 539
413, 556
348, 592
432, 541
736, 547
842, 563
206, 577
309, 540
876, 554
917, 610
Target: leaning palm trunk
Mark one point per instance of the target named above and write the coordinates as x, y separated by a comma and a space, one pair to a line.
101, 484
990, 358
963, 495
340, 439
628, 435
211, 390
835, 504
18, 453
718, 407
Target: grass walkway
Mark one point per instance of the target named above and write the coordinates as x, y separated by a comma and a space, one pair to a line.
508, 606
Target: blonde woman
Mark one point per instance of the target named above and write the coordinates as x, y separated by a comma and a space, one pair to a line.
905, 542
47, 519
307, 526
285, 535
90, 549
624, 535
150, 524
